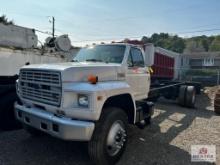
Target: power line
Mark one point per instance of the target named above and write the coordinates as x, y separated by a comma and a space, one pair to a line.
204, 26
199, 31
125, 36
43, 32
136, 37
115, 19
111, 38
180, 32
105, 39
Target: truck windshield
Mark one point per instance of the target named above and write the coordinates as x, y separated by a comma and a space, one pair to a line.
101, 53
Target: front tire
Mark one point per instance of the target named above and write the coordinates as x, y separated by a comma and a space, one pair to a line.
109, 138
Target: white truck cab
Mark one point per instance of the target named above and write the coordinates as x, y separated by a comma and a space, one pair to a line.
92, 98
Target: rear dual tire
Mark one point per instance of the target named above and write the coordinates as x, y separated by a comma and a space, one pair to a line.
187, 96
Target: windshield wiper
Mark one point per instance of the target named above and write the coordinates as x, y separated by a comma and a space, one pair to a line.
94, 60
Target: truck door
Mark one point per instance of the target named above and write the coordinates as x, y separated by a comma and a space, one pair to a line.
137, 74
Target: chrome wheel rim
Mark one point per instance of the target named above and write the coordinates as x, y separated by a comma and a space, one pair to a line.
116, 138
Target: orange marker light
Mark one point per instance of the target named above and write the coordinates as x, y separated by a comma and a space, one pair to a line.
92, 79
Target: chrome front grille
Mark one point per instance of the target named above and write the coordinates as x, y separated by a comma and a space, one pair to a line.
40, 86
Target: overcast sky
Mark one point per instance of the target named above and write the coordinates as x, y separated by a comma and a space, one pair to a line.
89, 21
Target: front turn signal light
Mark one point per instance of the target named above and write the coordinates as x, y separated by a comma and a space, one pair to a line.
92, 79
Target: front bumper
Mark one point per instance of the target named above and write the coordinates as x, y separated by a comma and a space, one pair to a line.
60, 127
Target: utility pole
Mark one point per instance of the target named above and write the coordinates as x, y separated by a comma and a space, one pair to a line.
53, 26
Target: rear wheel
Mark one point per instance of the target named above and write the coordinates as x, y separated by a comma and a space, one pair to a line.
187, 96
182, 93
109, 138
190, 96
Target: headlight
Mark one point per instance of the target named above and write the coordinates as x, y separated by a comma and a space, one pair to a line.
83, 100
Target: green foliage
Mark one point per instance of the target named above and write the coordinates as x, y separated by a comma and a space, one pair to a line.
166, 41
199, 43
178, 44
4, 20
215, 45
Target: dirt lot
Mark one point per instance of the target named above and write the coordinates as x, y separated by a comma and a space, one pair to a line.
166, 141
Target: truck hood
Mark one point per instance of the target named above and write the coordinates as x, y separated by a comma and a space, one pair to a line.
79, 71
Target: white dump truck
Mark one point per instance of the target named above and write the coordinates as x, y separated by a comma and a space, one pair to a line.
92, 98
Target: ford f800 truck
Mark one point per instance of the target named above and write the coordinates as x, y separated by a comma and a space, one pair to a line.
93, 98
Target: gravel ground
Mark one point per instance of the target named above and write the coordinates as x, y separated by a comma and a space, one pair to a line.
167, 141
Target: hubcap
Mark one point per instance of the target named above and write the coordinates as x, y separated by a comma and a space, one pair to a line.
116, 138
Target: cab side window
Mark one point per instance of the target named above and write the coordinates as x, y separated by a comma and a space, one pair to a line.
135, 58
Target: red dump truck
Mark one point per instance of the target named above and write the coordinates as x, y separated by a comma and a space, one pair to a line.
163, 62
164, 66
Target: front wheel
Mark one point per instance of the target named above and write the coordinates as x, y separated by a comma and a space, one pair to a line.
109, 138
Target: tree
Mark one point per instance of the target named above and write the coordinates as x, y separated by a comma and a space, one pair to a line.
178, 44
199, 43
215, 45
166, 41
145, 39
4, 20
190, 46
